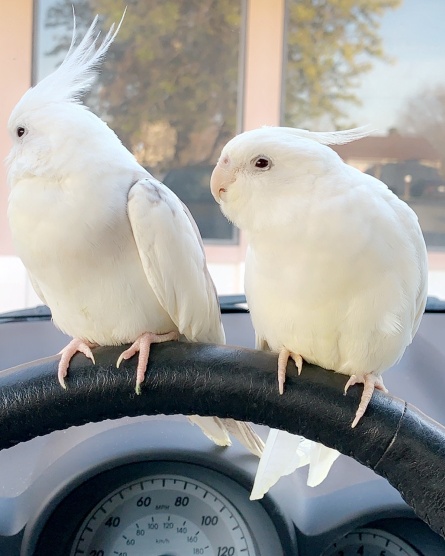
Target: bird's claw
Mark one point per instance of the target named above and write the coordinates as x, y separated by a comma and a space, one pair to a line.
370, 382
351, 381
68, 353
127, 354
298, 362
283, 358
61, 377
142, 345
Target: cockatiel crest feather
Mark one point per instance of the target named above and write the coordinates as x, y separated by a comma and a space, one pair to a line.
331, 137
76, 74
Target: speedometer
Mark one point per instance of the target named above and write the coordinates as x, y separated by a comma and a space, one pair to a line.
370, 542
164, 515
159, 508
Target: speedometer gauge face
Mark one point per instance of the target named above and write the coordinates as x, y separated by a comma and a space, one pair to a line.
164, 515
370, 542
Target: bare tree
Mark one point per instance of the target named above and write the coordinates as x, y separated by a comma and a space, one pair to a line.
424, 115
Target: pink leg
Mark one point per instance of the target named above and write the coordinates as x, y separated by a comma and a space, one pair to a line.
283, 358
68, 353
142, 345
370, 382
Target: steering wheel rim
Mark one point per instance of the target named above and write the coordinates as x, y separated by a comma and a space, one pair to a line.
394, 439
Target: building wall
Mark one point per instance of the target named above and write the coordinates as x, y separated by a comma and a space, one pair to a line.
16, 26
262, 106
15, 69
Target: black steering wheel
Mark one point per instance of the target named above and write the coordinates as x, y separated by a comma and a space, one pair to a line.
393, 439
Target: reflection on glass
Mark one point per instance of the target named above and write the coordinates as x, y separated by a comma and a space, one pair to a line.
331, 45
377, 62
169, 87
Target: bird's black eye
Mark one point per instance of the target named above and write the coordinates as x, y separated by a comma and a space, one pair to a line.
20, 131
262, 162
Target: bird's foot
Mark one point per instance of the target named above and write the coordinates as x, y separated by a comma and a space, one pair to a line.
142, 345
370, 382
68, 352
283, 358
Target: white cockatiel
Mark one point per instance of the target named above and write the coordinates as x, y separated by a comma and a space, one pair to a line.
336, 268
111, 250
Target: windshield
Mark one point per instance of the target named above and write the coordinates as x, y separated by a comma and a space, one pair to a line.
182, 78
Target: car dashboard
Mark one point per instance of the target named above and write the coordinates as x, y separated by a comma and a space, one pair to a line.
156, 486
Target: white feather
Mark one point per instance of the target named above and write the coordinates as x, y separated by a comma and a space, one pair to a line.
220, 431
340, 137
213, 428
283, 454
245, 435
75, 75
321, 460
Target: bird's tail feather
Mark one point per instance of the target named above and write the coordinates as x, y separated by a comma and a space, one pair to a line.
219, 431
213, 428
284, 453
321, 461
245, 434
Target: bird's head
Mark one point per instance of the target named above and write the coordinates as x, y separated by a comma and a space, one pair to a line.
50, 123
262, 174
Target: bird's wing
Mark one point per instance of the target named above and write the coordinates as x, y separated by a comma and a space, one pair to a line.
416, 271
173, 259
422, 294
261, 344
36, 288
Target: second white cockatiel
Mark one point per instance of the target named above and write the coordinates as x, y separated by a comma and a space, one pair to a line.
336, 267
112, 251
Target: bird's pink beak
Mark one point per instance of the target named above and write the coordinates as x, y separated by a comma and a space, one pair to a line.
221, 178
